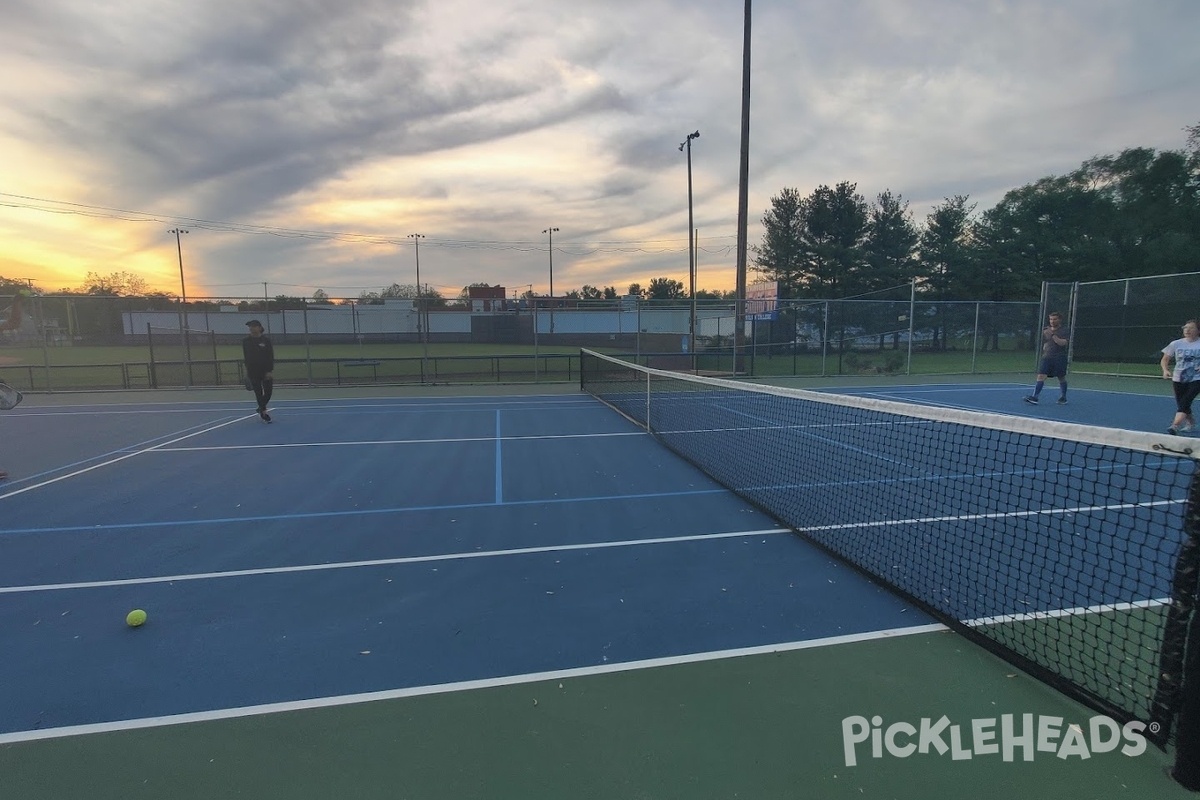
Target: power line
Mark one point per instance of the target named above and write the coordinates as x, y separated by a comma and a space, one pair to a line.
577, 249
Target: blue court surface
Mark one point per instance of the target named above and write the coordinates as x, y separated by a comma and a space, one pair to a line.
384, 547
364, 546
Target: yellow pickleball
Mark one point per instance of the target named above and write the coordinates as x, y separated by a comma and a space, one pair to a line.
135, 618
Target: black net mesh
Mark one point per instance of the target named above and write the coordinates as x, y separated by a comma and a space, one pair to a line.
1055, 545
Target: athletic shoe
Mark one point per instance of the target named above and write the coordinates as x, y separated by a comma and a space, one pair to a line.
1185, 427
265, 416
1173, 430
1033, 401
1062, 401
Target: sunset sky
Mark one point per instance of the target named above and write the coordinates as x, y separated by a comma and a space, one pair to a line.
301, 142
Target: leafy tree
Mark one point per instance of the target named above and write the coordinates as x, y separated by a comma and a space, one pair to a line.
610, 293
399, 291
116, 284
833, 239
591, 293
780, 257
946, 259
665, 289
283, 302
944, 242
814, 246
1155, 199
891, 242
636, 290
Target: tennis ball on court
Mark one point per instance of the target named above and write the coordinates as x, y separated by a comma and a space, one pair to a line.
135, 618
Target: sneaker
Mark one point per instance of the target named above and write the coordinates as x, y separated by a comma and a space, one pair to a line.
1062, 401
265, 416
1185, 427
1173, 430
1033, 401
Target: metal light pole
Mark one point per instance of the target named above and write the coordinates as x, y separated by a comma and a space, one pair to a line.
687, 143
551, 231
183, 321
743, 198
421, 321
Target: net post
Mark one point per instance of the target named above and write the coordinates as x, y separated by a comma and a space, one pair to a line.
1179, 690
647, 401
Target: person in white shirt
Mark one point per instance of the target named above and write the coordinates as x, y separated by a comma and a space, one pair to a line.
1185, 377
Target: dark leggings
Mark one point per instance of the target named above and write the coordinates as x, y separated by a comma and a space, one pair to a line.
1185, 393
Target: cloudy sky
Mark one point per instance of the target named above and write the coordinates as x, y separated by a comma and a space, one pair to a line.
301, 142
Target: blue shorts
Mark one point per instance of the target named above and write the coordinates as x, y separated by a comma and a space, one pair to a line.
1053, 367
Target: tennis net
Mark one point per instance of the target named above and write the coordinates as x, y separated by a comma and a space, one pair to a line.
1069, 550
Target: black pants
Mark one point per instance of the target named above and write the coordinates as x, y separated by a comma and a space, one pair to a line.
1185, 395
263, 387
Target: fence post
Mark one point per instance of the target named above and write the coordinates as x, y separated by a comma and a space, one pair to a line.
153, 368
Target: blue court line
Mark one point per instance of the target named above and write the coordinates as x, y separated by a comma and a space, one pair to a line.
358, 512
499, 463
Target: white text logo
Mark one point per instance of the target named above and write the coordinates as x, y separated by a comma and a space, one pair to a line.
987, 737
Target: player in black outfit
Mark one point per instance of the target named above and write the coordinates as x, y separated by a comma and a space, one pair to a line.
259, 356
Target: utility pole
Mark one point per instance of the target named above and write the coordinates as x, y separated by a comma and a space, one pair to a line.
691, 249
183, 319
743, 199
551, 231
422, 320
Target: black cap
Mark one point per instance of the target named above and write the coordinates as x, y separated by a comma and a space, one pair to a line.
254, 324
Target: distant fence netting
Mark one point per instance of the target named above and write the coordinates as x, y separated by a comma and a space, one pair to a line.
1120, 326
1061, 547
897, 331
183, 357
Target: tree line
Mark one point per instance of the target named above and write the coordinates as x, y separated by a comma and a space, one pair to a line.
1130, 215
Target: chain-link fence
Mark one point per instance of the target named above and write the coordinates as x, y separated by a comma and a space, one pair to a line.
1120, 327
71, 342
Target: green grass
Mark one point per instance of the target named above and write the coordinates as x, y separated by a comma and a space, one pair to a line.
128, 366
96, 367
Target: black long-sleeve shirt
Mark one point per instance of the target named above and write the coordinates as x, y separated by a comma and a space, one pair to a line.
259, 355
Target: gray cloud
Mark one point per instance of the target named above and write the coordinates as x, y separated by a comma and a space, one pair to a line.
487, 121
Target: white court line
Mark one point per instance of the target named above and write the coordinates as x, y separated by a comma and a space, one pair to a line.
519, 551
450, 440
451, 401
112, 461
460, 686
1103, 608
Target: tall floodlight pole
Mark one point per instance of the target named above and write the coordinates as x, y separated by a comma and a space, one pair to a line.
183, 321
551, 231
687, 143
743, 199
422, 322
